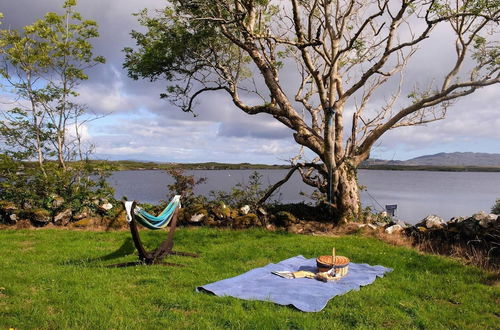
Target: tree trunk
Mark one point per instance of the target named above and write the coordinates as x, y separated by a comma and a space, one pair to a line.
346, 194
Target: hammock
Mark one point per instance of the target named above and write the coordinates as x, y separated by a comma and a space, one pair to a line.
151, 221
169, 214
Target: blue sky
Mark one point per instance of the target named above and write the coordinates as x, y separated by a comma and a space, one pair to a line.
138, 125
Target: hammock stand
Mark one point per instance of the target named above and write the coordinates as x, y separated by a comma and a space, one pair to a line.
165, 248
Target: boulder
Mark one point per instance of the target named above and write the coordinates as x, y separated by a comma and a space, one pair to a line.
432, 222
489, 220
421, 229
285, 219
13, 218
39, 216
63, 218
196, 218
262, 211
394, 229
245, 209
401, 223
484, 219
246, 221
221, 211
57, 201
105, 207
456, 220
84, 213
469, 227
295, 228
7, 207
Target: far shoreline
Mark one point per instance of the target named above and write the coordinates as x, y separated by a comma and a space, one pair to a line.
141, 166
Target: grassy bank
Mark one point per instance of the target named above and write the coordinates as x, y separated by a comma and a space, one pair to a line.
56, 279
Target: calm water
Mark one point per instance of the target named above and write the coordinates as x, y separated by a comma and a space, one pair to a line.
417, 193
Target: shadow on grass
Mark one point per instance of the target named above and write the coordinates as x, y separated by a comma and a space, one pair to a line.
127, 248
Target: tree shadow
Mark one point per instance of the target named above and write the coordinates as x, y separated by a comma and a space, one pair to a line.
127, 248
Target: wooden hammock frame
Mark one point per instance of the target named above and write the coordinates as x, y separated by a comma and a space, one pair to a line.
164, 249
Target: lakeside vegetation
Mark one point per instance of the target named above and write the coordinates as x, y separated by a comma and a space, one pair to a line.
58, 279
123, 165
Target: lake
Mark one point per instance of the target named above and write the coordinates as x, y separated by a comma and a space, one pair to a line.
416, 193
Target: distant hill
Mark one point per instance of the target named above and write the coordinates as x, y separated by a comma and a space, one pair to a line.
454, 159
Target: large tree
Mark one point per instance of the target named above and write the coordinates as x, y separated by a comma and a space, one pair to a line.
343, 53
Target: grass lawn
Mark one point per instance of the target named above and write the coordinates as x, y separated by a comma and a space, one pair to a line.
56, 279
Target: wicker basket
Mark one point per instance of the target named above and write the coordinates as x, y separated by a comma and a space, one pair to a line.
340, 264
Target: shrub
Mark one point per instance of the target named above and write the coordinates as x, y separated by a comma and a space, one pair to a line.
243, 194
55, 189
496, 208
184, 185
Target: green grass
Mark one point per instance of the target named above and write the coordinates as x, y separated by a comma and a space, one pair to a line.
56, 279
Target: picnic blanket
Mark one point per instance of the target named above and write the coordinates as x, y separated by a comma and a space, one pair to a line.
307, 295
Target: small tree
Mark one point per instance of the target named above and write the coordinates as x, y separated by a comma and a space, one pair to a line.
184, 185
43, 65
342, 52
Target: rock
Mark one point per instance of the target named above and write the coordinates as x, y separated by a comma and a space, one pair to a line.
372, 226
262, 211
23, 224
7, 207
84, 213
40, 216
197, 218
63, 218
87, 222
432, 221
489, 220
469, 227
245, 209
285, 219
221, 211
13, 218
57, 201
393, 229
402, 224
246, 221
105, 207
211, 222
485, 220
422, 229
380, 224
456, 220
295, 228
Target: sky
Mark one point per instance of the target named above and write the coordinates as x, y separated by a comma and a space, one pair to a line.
138, 125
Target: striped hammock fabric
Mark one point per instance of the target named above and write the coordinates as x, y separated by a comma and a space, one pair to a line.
151, 221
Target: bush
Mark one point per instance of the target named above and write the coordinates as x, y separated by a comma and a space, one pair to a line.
55, 189
184, 185
243, 194
496, 208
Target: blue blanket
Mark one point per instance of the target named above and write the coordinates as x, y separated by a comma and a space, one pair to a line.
307, 295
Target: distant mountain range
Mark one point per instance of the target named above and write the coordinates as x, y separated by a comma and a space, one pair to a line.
454, 159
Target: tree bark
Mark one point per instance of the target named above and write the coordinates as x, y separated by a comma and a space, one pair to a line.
346, 194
